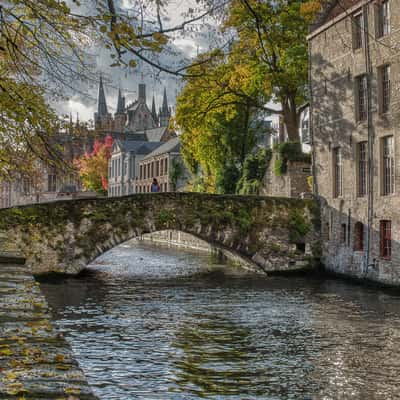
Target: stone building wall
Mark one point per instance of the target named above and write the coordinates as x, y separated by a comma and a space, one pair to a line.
291, 184
335, 66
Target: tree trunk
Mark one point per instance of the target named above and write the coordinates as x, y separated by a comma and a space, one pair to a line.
291, 118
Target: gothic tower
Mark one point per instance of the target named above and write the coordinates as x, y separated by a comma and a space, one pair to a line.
154, 112
165, 113
102, 119
120, 115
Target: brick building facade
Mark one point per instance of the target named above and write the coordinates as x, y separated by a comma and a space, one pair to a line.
355, 114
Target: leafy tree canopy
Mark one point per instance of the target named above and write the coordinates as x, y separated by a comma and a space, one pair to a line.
273, 34
93, 167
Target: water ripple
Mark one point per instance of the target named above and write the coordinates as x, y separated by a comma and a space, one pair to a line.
153, 324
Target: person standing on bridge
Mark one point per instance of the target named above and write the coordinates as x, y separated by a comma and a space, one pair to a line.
155, 187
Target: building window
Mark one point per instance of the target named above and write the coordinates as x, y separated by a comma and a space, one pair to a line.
358, 31
343, 231
51, 183
26, 186
166, 166
386, 239
387, 166
152, 169
141, 172
158, 168
161, 168
382, 19
359, 236
384, 88
362, 169
361, 98
337, 172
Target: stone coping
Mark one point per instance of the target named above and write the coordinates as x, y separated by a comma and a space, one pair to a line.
36, 362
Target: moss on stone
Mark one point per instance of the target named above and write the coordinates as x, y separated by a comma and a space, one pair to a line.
298, 226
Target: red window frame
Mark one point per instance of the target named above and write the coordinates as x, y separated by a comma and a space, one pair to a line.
359, 237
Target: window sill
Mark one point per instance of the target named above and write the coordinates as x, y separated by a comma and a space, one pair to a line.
361, 122
384, 36
386, 258
389, 195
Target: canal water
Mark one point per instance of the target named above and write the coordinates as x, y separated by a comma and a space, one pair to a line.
154, 323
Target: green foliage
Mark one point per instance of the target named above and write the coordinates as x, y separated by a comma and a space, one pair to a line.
216, 111
273, 34
176, 171
288, 151
310, 182
227, 178
165, 219
280, 167
254, 168
298, 227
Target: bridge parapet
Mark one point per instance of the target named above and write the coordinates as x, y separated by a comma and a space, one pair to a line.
64, 236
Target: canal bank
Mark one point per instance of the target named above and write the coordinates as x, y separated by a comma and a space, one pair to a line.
36, 362
155, 323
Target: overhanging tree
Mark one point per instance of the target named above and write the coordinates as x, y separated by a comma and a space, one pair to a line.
217, 111
273, 33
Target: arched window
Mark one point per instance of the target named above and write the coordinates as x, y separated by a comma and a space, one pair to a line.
358, 236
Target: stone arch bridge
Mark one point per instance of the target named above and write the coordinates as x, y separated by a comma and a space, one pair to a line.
64, 236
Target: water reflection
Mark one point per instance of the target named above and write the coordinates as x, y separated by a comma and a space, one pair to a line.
154, 324
214, 356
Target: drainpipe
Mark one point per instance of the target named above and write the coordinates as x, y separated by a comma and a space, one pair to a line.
311, 125
370, 131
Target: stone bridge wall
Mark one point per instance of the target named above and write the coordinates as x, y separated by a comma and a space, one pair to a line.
275, 233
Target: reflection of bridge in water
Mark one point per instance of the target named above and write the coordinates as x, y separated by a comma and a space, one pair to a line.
275, 233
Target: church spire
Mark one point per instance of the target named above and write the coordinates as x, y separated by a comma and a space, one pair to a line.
121, 103
165, 103
154, 111
102, 105
165, 112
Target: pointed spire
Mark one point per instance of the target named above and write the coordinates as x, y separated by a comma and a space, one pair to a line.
154, 111
121, 103
165, 102
153, 107
102, 105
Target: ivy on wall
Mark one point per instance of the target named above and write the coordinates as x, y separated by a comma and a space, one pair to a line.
288, 151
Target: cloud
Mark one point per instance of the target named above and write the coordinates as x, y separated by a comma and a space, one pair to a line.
183, 47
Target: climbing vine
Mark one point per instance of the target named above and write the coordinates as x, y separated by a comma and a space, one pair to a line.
288, 151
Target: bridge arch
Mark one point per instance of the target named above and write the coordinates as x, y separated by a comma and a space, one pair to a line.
65, 236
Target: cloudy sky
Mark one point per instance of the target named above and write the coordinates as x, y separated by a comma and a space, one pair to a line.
196, 38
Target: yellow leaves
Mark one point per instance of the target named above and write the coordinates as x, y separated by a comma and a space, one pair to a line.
63, 367
72, 390
160, 38
11, 376
310, 9
15, 388
59, 358
6, 352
